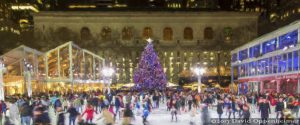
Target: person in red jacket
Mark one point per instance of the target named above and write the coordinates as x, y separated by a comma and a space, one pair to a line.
89, 111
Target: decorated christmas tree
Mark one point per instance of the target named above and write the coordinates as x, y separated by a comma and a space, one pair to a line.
149, 74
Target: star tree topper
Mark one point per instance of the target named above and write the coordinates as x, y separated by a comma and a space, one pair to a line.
149, 40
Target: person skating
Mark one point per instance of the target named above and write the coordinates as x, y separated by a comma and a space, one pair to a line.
246, 114
296, 104
26, 113
118, 105
220, 107
57, 104
61, 116
128, 115
190, 101
253, 103
193, 115
205, 114
264, 109
1, 111
279, 107
111, 110
89, 111
145, 116
4, 108
232, 108
173, 110
41, 116
107, 116
73, 113
14, 113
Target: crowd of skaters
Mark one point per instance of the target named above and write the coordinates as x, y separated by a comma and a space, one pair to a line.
233, 106
124, 106
81, 107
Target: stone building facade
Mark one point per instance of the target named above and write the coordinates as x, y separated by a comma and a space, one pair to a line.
182, 39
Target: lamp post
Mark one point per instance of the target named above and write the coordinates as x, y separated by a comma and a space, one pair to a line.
27, 75
107, 78
199, 72
2, 70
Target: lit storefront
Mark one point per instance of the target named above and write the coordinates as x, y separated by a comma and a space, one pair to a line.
269, 63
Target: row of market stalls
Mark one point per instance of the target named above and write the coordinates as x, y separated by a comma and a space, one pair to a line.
63, 69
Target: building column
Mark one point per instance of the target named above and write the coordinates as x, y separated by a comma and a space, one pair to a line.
29, 87
278, 86
232, 78
298, 86
2, 94
261, 84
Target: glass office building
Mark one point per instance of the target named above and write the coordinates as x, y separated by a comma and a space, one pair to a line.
269, 63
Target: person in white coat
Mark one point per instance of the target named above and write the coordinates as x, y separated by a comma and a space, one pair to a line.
14, 114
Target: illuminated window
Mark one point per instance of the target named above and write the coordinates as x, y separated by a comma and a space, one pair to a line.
188, 33
288, 40
208, 33
85, 33
106, 33
147, 33
168, 34
63, 34
227, 33
243, 54
254, 51
127, 33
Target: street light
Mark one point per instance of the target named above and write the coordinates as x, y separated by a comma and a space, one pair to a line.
2, 70
199, 72
27, 74
107, 78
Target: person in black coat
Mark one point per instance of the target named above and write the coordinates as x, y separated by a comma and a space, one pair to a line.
41, 116
61, 116
264, 109
95, 103
72, 114
220, 107
232, 108
246, 114
205, 112
279, 107
26, 113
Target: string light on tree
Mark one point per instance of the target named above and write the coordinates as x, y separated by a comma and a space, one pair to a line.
149, 74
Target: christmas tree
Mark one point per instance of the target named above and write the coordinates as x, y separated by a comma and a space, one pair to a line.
149, 74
